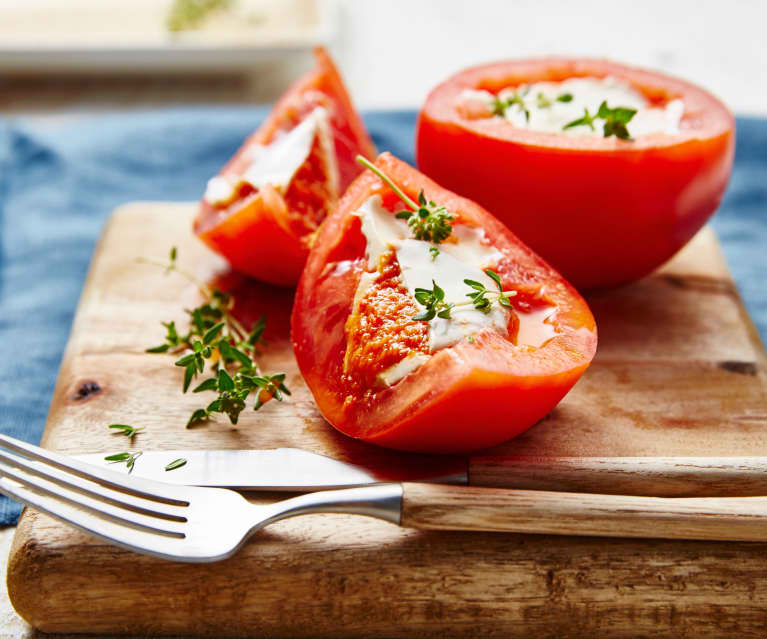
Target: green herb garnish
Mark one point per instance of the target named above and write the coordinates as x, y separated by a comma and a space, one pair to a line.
129, 431
427, 220
500, 106
434, 301
615, 120
586, 120
434, 251
215, 336
542, 102
176, 463
481, 298
129, 459
187, 14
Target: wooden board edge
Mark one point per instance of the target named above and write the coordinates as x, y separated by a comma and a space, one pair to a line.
577, 587
23, 571
756, 339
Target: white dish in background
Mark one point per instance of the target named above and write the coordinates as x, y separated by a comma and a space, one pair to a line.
115, 35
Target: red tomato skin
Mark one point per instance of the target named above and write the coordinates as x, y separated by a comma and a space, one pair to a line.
256, 237
240, 237
603, 211
465, 397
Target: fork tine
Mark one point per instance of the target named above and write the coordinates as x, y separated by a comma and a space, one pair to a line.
154, 491
94, 506
111, 532
94, 489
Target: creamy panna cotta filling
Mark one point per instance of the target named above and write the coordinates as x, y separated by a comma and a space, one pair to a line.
550, 106
465, 255
276, 164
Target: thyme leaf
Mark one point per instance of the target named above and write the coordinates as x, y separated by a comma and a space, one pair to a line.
427, 220
129, 431
129, 459
433, 301
216, 341
176, 463
615, 120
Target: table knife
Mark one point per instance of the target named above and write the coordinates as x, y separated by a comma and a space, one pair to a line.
295, 470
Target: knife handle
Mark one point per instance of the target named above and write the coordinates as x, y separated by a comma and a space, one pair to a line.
439, 507
651, 476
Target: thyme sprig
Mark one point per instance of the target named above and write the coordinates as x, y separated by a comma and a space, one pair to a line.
481, 298
586, 120
434, 301
427, 220
615, 120
129, 459
124, 429
500, 106
430, 222
216, 336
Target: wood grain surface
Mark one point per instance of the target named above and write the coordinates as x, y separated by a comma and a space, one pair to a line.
679, 372
649, 476
441, 507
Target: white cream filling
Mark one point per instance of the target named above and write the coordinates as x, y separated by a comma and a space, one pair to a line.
393, 374
277, 163
587, 93
456, 261
420, 269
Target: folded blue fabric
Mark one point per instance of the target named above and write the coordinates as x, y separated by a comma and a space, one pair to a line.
60, 179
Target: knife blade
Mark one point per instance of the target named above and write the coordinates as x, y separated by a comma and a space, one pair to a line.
280, 469
296, 470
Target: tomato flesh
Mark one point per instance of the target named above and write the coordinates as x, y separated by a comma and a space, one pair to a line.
265, 233
470, 395
381, 331
602, 211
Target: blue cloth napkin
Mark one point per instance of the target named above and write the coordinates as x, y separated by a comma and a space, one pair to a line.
60, 179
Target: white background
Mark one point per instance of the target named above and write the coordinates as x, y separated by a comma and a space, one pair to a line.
393, 51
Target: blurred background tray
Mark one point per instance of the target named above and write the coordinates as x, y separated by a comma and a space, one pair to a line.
82, 35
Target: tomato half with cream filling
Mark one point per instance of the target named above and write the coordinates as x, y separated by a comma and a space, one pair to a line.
601, 208
261, 211
434, 332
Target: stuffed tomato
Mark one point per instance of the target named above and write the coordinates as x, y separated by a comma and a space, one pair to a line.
604, 170
262, 209
422, 323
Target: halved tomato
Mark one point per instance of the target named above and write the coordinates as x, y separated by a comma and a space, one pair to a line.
265, 229
603, 211
354, 320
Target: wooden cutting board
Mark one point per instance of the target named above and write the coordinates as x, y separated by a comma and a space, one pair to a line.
680, 371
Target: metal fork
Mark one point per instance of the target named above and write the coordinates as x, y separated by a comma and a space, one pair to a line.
180, 523
193, 524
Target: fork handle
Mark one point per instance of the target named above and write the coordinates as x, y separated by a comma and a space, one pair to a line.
439, 507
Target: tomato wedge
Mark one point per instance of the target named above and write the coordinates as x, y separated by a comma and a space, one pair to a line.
265, 230
603, 211
486, 387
